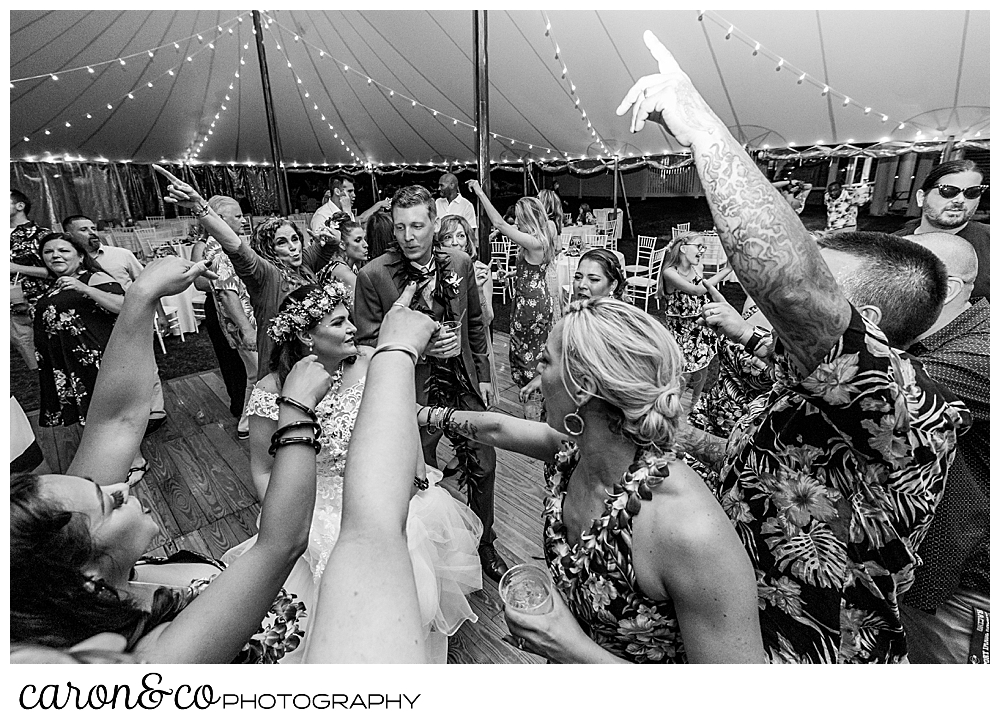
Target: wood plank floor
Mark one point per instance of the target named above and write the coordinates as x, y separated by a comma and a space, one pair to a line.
199, 489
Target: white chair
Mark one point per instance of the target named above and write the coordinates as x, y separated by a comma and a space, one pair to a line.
643, 286
680, 229
172, 321
594, 241
155, 220
715, 256
500, 266
643, 253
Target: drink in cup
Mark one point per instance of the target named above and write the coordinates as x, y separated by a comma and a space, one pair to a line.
527, 588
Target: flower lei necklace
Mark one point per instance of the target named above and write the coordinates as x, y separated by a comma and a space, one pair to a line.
300, 315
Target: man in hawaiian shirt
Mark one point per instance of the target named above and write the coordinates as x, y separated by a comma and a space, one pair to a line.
831, 479
842, 204
27, 268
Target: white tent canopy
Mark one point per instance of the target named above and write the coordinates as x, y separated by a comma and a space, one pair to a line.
141, 85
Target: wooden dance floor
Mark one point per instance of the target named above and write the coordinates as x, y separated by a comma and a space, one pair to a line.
199, 489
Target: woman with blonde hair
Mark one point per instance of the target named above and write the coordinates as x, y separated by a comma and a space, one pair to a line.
553, 208
683, 292
647, 566
455, 231
536, 294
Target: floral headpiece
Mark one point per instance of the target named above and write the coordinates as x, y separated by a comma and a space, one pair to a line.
300, 315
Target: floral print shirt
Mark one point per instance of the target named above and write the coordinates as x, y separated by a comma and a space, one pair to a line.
24, 250
596, 576
831, 481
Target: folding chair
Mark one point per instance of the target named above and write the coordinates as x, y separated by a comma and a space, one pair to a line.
500, 266
643, 286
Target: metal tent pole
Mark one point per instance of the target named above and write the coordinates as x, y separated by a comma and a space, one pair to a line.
480, 50
272, 128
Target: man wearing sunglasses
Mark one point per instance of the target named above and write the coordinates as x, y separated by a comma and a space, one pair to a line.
948, 198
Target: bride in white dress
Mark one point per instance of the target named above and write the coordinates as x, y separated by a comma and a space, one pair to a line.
442, 533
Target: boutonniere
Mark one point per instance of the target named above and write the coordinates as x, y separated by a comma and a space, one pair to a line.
454, 283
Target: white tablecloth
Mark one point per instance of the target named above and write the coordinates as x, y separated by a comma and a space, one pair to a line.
184, 303
183, 250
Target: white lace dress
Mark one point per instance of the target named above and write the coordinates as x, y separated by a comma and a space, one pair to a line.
442, 533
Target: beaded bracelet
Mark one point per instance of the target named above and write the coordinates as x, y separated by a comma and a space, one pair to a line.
202, 212
411, 353
310, 413
294, 441
420, 483
446, 424
317, 430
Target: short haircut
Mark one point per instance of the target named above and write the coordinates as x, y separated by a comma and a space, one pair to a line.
75, 217
946, 169
337, 182
905, 280
218, 202
410, 196
448, 226
20, 198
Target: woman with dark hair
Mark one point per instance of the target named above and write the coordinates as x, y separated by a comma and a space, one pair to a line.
274, 263
379, 233
351, 254
647, 567
73, 322
442, 534
599, 274
77, 540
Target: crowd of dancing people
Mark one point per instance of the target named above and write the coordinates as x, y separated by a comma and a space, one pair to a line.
824, 500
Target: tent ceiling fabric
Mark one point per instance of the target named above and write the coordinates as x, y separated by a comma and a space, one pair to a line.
929, 70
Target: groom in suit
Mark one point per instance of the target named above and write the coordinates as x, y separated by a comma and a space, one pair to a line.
459, 375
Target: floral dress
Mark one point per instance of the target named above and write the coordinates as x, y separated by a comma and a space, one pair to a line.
71, 332
596, 576
530, 321
680, 317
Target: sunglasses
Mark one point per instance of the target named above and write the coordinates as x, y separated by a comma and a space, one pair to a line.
948, 191
701, 247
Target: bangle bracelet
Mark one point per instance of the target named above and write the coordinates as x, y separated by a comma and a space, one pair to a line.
294, 441
420, 483
317, 430
412, 353
297, 405
422, 408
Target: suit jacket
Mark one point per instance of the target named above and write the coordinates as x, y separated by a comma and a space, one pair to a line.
381, 281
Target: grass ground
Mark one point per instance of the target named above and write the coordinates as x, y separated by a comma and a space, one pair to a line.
653, 217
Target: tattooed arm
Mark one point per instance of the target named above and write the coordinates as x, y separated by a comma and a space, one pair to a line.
534, 439
772, 253
705, 447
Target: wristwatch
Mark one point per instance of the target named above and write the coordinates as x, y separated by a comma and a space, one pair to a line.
756, 337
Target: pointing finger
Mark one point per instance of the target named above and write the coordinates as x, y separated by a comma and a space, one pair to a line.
406, 297
166, 173
663, 57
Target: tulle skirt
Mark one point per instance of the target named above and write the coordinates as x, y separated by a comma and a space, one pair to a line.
442, 535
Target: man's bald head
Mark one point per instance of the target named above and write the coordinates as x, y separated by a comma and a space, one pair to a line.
448, 187
958, 255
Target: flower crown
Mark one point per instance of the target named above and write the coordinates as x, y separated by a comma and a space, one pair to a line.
301, 314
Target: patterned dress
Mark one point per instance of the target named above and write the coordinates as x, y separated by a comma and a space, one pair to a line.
596, 576
530, 321
831, 481
698, 343
71, 332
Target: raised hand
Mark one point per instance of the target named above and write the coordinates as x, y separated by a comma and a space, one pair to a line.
178, 192
722, 318
668, 98
170, 275
308, 382
404, 326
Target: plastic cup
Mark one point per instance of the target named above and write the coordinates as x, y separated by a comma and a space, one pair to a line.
527, 588
452, 327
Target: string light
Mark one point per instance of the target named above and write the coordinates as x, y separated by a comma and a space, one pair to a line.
218, 116
414, 103
759, 49
577, 101
150, 52
129, 95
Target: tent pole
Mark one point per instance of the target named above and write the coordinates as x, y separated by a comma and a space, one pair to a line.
524, 176
480, 49
616, 184
272, 128
628, 211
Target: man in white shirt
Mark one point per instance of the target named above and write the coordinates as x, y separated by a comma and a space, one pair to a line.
341, 201
450, 202
123, 266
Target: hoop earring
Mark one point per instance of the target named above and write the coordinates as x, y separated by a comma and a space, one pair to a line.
573, 420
